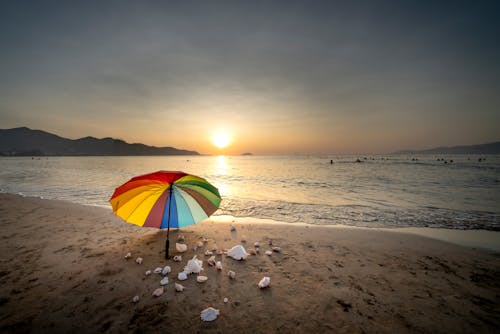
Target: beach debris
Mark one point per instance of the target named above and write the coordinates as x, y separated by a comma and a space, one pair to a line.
201, 279
211, 261
179, 287
164, 281
147, 273
157, 270
233, 228
181, 248
214, 247
276, 249
166, 270
238, 252
205, 240
199, 244
177, 258
182, 276
270, 242
264, 282
158, 292
252, 251
243, 238
231, 274
193, 266
218, 265
128, 256
268, 252
208, 253
220, 252
209, 314
135, 299
256, 244
226, 300
180, 237
138, 260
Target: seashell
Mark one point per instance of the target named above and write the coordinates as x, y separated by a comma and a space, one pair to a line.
157, 270
181, 248
268, 252
199, 244
138, 260
177, 258
166, 270
180, 237
179, 287
231, 274
220, 252
252, 251
226, 300
182, 276
208, 253
238, 252
158, 292
233, 228
276, 249
209, 314
264, 282
201, 279
256, 244
164, 281
218, 265
128, 256
193, 266
214, 247
147, 273
135, 299
211, 261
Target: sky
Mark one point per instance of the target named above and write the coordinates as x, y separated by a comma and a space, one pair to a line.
279, 77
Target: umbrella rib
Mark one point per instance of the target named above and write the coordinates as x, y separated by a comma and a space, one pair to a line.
145, 198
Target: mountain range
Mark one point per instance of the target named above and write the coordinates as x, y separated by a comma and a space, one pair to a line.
24, 141
490, 148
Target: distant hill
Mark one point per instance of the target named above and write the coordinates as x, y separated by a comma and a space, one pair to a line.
490, 148
27, 142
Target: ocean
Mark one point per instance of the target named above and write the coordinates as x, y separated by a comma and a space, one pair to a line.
452, 192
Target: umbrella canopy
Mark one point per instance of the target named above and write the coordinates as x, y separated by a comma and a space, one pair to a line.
165, 200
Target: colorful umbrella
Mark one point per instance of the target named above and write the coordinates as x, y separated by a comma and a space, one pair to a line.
165, 200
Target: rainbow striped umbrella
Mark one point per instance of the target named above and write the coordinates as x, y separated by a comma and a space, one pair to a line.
165, 200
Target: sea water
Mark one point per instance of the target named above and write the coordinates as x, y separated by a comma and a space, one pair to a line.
453, 192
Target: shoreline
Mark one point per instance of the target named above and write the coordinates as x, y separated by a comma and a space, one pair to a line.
62, 269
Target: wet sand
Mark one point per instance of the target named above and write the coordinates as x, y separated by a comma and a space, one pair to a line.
62, 269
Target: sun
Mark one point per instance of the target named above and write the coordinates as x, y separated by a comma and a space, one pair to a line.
221, 139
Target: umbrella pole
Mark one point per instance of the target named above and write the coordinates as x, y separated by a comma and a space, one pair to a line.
167, 242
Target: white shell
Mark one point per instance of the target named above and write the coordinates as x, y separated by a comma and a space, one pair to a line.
276, 249
268, 252
201, 279
157, 270
147, 273
208, 253
238, 252
164, 281
177, 258
135, 299
211, 261
226, 300
180, 237
193, 266
181, 248
166, 270
182, 276
231, 274
264, 282
179, 287
128, 255
214, 247
218, 265
158, 292
209, 314
138, 260
256, 244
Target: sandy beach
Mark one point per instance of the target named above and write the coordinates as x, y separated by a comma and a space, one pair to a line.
62, 269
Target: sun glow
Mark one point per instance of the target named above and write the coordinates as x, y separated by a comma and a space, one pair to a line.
221, 139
